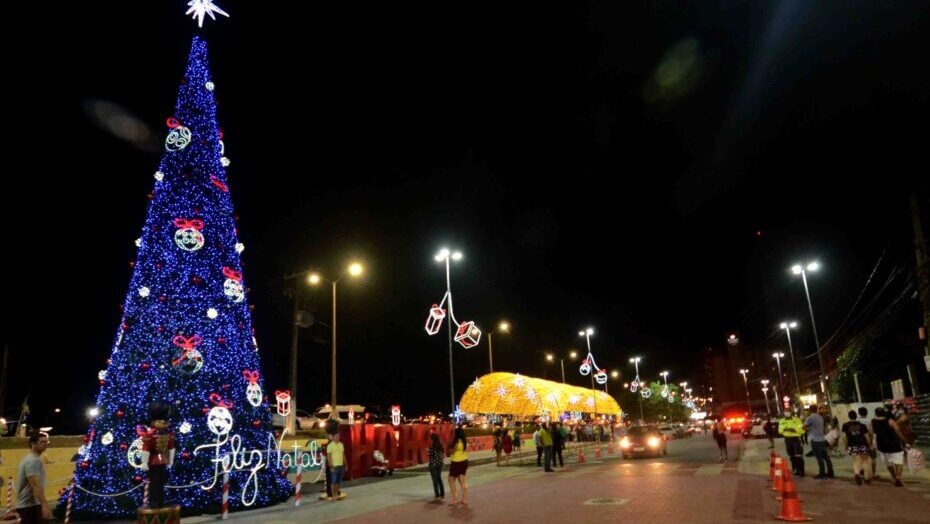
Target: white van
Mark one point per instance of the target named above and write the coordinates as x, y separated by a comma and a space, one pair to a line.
323, 413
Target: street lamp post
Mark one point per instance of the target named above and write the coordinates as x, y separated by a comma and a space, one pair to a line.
765, 391
746, 384
802, 270
636, 384
778, 356
504, 327
586, 333
355, 269
788, 326
443, 256
614, 375
667, 393
572, 355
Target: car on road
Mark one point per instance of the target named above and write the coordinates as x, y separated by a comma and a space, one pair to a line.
641, 441
322, 413
667, 431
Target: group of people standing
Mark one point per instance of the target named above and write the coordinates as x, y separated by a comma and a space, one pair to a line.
550, 440
458, 453
887, 433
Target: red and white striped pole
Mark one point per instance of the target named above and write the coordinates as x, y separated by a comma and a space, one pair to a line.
225, 495
68, 505
9, 496
145, 493
300, 473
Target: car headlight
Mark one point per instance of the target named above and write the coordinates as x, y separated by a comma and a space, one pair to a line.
653, 442
624, 442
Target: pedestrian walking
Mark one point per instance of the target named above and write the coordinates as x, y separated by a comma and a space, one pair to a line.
518, 441
904, 424
545, 435
458, 467
814, 424
498, 445
30, 483
890, 443
537, 439
769, 428
436, 454
507, 446
863, 414
336, 456
859, 447
792, 428
720, 437
558, 442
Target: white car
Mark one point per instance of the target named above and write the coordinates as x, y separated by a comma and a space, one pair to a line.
757, 430
667, 431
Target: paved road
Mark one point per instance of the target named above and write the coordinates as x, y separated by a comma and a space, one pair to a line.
688, 485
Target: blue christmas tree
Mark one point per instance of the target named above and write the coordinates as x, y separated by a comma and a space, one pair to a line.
185, 339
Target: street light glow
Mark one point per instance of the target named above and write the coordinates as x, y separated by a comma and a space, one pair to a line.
573, 355
313, 278
442, 255
778, 355
355, 269
549, 357
615, 373
813, 266
504, 327
635, 360
664, 373
797, 269
457, 255
93, 412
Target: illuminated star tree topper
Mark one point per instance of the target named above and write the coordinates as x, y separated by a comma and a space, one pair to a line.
199, 8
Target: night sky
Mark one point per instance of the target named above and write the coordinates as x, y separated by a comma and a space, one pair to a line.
652, 171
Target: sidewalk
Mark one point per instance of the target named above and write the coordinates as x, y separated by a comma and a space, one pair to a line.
755, 461
528, 454
408, 485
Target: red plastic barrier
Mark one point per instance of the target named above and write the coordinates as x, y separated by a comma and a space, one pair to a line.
404, 446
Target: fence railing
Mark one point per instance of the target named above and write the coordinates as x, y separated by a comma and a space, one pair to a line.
920, 420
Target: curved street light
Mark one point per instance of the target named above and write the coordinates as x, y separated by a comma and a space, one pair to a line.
788, 326
503, 327
802, 270
572, 355
746, 384
355, 269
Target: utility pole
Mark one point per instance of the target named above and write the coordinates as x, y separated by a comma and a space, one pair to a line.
6, 360
923, 264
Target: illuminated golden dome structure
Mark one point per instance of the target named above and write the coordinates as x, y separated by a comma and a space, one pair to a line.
518, 395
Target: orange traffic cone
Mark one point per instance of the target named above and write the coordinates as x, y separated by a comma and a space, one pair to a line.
786, 478
790, 503
772, 458
580, 455
610, 447
778, 484
597, 452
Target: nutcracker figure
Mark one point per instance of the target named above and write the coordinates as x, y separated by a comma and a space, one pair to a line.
157, 452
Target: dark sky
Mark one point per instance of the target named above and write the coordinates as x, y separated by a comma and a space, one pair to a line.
652, 170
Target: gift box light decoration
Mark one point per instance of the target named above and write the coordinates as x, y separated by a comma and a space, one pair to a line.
434, 321
284, 402
467, 333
